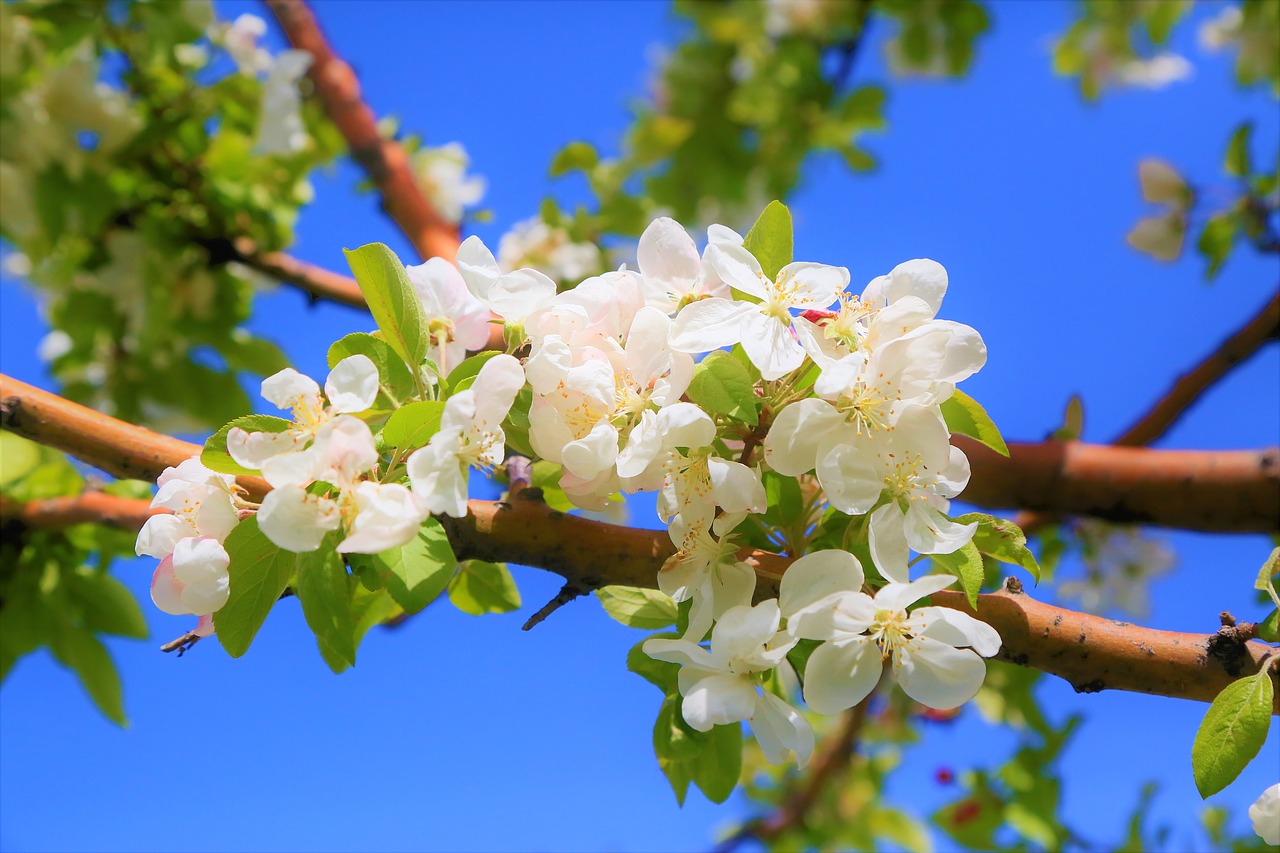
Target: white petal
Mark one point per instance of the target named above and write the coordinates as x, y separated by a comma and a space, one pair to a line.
741, 631
922, 278
160, 533
817, 285
709, 324
939, 676
958, 629
715, 700
791, 447
840, 675
732, 585
816, 576
898, 596
346, 447
294, 469
770, 345
352, 385
666, 253
736, 487
296, 521
682, 652
479, 269
589, 456
780, 729
166, 590
930, 532
889, 543
838, 616
288, 389
686, 425
737, 268
497, 384
849, 473
438, 477
519, 293
251, 449
199, 560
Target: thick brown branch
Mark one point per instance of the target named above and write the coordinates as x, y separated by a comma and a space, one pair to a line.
1264, 326
1228, 491
86, 508
384, 160
1090, 652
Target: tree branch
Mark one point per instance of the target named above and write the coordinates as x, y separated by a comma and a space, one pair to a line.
85, 508
1246, 340
317, 282
384, 160
1090, 652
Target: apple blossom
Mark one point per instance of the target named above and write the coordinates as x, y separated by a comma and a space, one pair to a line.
193, 579
936, 652
673, 274
442, 173
722, 685
534, 243
470, 436
706, 569
513, 296
280, 126
456, 321
199, 503
763, 328
1265, 815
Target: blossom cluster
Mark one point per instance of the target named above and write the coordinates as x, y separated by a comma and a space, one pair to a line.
849, 389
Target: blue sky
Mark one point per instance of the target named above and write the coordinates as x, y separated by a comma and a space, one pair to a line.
458, 733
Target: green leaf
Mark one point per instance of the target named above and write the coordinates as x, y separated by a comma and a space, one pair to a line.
394, 377
1002, 540
770, 239
394, 303
1072, 420
573, 157
413, 424
966, 564
324, 591
1269, 628
1237, 162
1269, 577
719, 762
660, 673
259, 571
722, 386
416, 573
105, 604
18, 458
898, 827
479, 588
634, 607
963, 415
1216, 240
1232, 732
215, 456
467, 370
82, 652
671, 743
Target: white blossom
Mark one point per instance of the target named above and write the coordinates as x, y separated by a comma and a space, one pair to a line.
936, 652
1265, 815
442, 173
456, 321
672, 272
280, 126
193, 579
534, 243
722, 685
514, 295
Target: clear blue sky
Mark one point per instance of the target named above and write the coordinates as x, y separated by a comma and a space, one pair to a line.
458, 733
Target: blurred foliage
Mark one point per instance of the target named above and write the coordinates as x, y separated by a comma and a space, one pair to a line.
128, 168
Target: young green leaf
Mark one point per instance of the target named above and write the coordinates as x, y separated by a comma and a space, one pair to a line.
259, 571
722, 386
965, 564
413, 424
324, 591
84, 654
1232, 732
1269, 577
963, 415
718, 764
1237, 161
638, 608
660, 673
479, 588
1002, 540
1269, 628
105, 604
461, 377
394, 303
771, 239
215, 456
416, 573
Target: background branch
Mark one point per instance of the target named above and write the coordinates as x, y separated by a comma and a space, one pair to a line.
1090, 652
86, 508
384, 160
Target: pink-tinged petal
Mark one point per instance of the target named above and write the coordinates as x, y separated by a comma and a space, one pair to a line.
200, 560
160, 533
204, 626
791, 447
815, 576
352, 385
815, 285
346, 448
709, 324
166, 590
647, 354
666, 253
781, 729
217, 516
957, 629
519, 293
770, 345
889, 543
588, 456
939, 676
840, 675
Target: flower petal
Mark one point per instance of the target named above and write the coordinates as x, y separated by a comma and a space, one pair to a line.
840, 675
938, 675
816, 576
